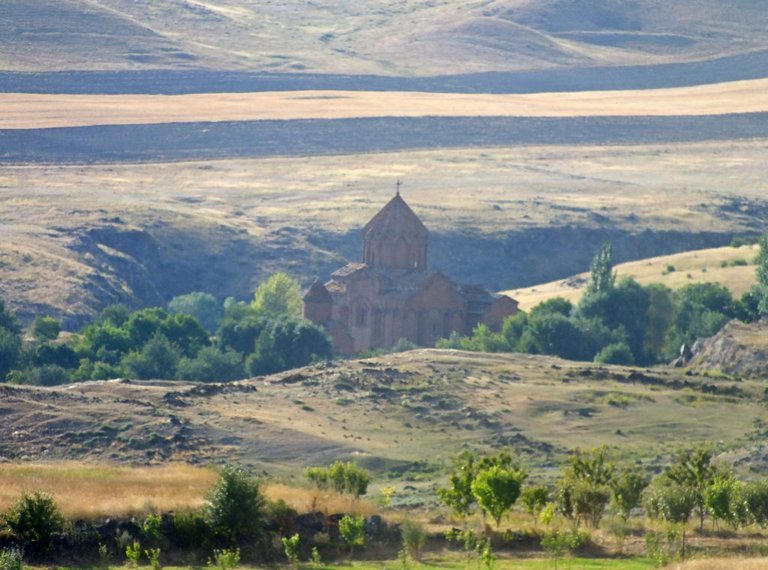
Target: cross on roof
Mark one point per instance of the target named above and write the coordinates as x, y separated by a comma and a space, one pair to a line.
397, 186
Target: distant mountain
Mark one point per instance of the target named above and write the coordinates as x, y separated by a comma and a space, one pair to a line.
372, 36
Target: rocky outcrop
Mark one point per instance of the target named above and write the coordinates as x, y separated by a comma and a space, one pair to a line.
739, 349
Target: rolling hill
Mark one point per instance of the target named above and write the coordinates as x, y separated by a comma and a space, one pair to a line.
392, 414
372, 36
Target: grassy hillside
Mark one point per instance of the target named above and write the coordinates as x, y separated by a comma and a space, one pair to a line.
82, 236
374, 36
403, 415
732, 267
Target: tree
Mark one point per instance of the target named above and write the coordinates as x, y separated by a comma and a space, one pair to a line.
601, 274
694, 471
754, 496
458, 495
10, 349
158, 359
45, 328
279, 296
534, 500
202, 306
34, 518
352, 530
10, 341
719, 496
762, 273
627, 486
615, 353
496, 489
621, 308
667, 500
585, 489
212, 365
235, 507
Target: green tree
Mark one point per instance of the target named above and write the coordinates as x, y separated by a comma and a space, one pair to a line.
601, 274
667, 500
623, 308
212, 365
158, 359
352, 530
627, 485
458, 494
585, 491
615, 353
202, 306
34, 518
762, 274
694, 471
719, 496
235, 507
10, 341
754, 496
45, 328
496, 489
534, 500
279, 296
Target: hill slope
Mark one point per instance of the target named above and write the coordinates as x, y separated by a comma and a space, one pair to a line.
401, 413
372, 36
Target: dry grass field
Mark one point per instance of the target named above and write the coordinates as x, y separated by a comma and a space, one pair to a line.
100, 490
31, 111
732, 267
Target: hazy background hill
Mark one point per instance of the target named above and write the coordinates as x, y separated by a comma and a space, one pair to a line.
421, 37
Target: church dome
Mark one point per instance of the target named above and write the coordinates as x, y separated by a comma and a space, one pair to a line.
395, 238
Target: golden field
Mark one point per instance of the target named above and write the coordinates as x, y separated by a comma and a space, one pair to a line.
33, 111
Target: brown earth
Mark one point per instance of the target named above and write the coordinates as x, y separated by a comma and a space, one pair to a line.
403, 414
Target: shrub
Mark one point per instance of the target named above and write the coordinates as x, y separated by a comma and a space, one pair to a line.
291, 548
45, 328
616, 353
352, 530
34, 518
496, 490
133, 554
235, 506
341, 477
153, 555
226, 559
534, 500
11, 559
414, 536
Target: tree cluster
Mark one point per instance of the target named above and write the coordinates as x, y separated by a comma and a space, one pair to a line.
265, 336
624, 322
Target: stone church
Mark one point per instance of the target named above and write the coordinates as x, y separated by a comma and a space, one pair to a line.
393, 294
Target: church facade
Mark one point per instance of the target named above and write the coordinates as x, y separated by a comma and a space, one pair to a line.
393, 294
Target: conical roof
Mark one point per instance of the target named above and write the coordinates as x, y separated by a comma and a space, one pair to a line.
317, 293
394, 220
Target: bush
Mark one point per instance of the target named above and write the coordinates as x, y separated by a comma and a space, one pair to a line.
414, 537
226, 559
616, 353
235, 507
212, 365
191, 531
45, 328
352, 530
291, 548
11, 559
341, 477
34, 518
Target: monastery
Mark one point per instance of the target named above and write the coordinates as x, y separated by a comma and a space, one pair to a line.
393, 294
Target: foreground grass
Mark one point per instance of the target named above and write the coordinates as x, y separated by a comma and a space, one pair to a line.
99, 491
